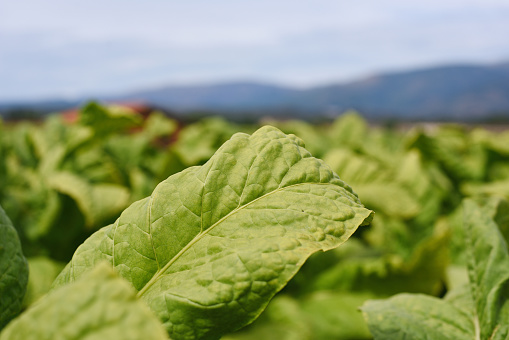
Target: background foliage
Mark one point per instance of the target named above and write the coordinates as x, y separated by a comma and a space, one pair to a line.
60, 182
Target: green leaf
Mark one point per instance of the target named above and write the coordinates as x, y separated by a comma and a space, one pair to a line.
407, 316
13, 271
500, 188
395, 189
107, 120
349, 129
317, 140
461, 298
198, 142
334, 315
158, 125
43, 272
460, 155
479, 310
97, 202
100, 305
389, 198
359, 169
213, 244
283, 319
498, 142
320, 315
497, 208
358, 268
488, 270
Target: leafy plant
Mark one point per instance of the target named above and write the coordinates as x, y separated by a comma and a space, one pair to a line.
213, 244
62, 180
479, 310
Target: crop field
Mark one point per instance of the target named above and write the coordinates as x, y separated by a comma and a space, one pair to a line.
118, 226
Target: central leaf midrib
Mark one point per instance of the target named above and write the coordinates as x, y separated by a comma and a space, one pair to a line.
200, 235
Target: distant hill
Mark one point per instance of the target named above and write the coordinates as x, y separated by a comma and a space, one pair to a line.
452, 92
456, 92
234, 95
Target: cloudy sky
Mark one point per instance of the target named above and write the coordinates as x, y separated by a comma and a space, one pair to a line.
65, 48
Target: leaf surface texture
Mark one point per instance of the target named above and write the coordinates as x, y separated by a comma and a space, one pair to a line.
219, 240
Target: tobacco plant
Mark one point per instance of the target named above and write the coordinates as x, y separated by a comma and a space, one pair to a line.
477, 310
206, 251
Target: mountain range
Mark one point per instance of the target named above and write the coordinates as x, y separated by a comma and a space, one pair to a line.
449, 92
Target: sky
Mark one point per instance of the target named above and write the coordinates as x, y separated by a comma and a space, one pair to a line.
69, 48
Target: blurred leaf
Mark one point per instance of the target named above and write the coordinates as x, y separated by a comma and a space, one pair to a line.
390, 199
158, 125
488, 270
97, 202
43, 272
357, 169
198, 142
13, 271
407, 316
314, 137
349, 129
461, 157
497, 208
498, 188
479, 310
362, 270
98, 306
321, 315
107, 120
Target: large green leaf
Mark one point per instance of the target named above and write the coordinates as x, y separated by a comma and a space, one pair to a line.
99, 306
480, 312
213, 244
13, 271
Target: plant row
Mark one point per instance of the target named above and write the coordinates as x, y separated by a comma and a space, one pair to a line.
193, 230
